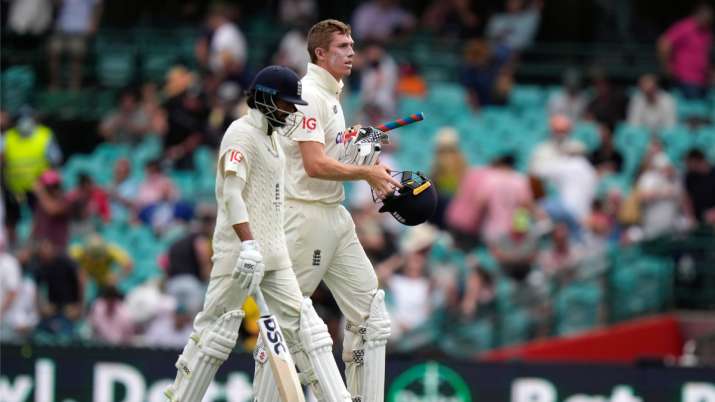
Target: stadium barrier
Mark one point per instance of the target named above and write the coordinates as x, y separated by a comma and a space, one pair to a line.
104, 374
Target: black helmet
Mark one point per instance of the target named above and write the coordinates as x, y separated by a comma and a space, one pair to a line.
415, 202
270, 84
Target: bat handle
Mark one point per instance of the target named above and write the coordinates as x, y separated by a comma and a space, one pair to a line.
258, 294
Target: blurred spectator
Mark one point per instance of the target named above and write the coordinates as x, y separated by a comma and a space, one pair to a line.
28, 150
170, 330
129, 123
516, 28
516, 250
603, 224
411, 83
60, 298
88, 202
452, 19
98, 259
409, 287
191, 254
224, 49
608, 104
570, 100
661, 196
448, 168
700, 186
30, 17
123, 190
606, 158
378, 244
158, 201
110, 319
503, 192
186, 115
575, 181
485, 74
225, 110
298, 12
463, 215
379, 75
292, 50
151, 106
382, 20
684, 50
551, 149
77, 22
10, 282
51, 219
561, 260
651, 107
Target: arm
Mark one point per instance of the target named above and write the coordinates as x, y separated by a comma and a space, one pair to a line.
319, 165
53, 206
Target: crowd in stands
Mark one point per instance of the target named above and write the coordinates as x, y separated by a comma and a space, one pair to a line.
118, 251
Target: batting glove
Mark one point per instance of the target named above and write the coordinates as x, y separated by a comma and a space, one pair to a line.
249, 267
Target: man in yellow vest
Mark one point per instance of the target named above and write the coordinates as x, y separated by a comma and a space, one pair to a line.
28, 149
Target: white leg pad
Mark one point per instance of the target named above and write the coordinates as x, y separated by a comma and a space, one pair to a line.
364, 353
202, 358
264, 388
318, 346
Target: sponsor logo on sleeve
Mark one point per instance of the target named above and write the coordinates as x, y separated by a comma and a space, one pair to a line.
309, 123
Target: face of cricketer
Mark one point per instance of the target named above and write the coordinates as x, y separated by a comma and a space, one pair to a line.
338, 58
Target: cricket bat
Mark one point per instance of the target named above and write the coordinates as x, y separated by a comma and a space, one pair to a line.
281, 362
413, 118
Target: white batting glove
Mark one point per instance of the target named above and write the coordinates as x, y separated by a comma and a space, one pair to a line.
249, 267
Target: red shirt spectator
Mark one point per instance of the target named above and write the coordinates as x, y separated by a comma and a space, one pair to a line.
90, 200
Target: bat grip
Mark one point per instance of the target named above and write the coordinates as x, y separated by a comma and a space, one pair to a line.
258, 295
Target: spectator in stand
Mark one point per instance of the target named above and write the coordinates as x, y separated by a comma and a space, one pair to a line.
223, 50
225, 110
381, 20
191, 254
170, 330
448, 168
608, 104
61, 304
123, 191
292, 50
187, 114
158, 201
88, 203
685, 48
77, 22
10, 282
379, 245
606, 159
575, 181
411, 83
516, 28
298, 12
129, 123
651, 107
29, 17
569, 101
463, 215
603, 224
550, 150
700, 187
485, 74
98, 259
562, 259
151, 106
110, 319
661, 197
29, 149
452, 19
379, 76
51, 219
516, 250
504, 191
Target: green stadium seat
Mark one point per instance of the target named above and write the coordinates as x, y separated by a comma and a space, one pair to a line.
115, 66
515, 327
467, 337
16, 85
639, 284
577, 307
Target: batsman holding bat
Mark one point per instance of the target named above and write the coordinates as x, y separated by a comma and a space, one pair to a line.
322, 242
250, 256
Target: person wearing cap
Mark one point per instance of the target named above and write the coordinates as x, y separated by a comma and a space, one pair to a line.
448, 168
29, 148
250, 252
51, 217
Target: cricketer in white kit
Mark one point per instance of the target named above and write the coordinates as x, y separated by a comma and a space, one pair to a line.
250, 250
320, 232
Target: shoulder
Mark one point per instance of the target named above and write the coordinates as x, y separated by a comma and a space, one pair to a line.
239, 133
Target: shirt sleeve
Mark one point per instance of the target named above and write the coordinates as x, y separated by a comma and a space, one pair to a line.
234, 161
310, 127
676, 32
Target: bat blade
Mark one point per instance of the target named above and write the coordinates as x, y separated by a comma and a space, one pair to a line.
280, 360
413, 118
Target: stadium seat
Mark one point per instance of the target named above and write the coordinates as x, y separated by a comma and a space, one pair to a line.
115, 66
16, 85
515, 327
577, 307
639, 284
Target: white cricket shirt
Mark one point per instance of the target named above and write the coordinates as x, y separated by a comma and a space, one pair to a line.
247, 151
323, 122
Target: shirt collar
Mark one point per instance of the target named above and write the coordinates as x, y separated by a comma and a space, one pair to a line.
257, 120
324, 79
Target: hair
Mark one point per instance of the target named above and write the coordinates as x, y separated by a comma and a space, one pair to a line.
695, 154
321, 34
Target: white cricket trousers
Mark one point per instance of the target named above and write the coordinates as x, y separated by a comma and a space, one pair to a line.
323, 245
